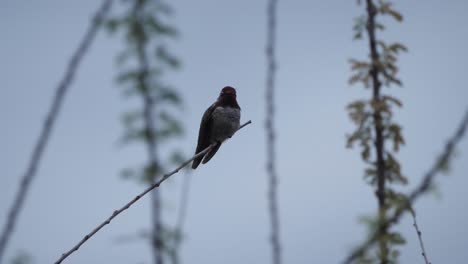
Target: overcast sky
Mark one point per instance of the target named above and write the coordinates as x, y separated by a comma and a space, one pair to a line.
321, 192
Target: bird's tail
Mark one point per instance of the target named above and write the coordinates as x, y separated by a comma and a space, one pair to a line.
211, 153
196, 162
205, 158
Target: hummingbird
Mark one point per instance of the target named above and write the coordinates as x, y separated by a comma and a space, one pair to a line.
219, 122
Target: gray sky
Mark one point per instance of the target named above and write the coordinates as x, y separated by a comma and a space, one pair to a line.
322, 194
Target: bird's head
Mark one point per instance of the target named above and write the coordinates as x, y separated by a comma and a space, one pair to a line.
227, 97
228, 91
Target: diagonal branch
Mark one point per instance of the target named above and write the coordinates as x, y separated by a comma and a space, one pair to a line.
126, 206
48, 125
422, 188
441, 162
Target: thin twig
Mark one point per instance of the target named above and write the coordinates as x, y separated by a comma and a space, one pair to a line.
126, 206
422, 188
48, 125
421, 244
269, 126
182, 214
174, 252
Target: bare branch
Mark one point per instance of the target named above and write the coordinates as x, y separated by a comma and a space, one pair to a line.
48, 125
126, 206
182, 214
421, 244
269, 126
422, 188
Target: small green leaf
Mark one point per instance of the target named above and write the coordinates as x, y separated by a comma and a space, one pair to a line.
396, 238
163, 55
127, 173
169, 95
112, 24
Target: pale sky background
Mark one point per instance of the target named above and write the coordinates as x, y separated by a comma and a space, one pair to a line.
321, 192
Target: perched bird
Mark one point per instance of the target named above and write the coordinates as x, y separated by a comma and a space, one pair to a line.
218, 123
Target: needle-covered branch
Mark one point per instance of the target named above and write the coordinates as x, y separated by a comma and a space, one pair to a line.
126, 206
48, 125
381, 168
146, 28
440, 165
377, 132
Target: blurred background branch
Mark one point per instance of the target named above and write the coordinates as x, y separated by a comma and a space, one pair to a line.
146, 38
49, 123
270, 132
375, 125
424, 186
141, 41
381, 169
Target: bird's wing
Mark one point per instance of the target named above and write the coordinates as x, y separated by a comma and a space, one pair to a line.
204, 134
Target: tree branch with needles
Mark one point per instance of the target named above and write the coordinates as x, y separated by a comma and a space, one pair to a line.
141, 74
376, 125
378, 130
134, 200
